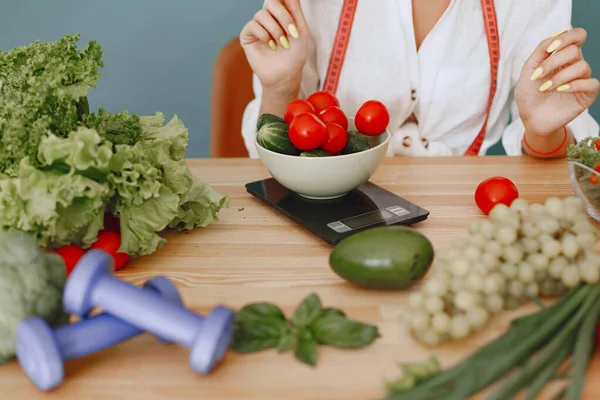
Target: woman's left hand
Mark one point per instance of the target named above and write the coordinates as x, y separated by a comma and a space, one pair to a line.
556, 84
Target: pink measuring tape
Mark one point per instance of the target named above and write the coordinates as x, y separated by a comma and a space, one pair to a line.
342, 39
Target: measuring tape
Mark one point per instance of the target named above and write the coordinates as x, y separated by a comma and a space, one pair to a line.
342, 38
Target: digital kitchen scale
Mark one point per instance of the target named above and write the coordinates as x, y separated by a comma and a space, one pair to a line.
366, 207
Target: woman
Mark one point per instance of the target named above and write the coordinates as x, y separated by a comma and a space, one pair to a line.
429, 62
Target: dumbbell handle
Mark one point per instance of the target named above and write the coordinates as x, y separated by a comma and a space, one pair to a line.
103, 331
146, 311
92, 335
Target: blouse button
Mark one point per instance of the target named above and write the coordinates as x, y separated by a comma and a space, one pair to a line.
413, 94
406, 141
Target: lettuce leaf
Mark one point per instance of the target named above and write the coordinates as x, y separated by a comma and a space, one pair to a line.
62, 168
57, 208
180, 200
120, 128
41, 89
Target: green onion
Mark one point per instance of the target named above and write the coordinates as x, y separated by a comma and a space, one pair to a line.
564, 339
547, 374
539, 342
584, 346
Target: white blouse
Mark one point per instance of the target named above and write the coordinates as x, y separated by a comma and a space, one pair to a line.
449, 74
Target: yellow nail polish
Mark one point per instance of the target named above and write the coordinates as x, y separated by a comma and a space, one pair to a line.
558, 33
554, 46
284, 42
272, 45
563, 88
537, 73
293, 31
546, 86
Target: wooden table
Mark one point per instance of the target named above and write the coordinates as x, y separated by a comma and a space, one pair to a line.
254, 254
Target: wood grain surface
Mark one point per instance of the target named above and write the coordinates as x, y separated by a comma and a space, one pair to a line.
254, 254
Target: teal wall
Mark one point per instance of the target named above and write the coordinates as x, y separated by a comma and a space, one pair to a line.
159, 54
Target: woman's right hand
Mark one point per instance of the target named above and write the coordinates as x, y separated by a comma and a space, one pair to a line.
276, 45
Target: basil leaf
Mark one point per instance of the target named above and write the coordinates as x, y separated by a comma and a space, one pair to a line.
259, 312
252, 345
338, 331
252, 336
286, 341
306, 351
308, 311
334, 311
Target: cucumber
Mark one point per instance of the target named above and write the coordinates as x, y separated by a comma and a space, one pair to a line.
274, 136
315, 153
384, 258
265, 119
357, 142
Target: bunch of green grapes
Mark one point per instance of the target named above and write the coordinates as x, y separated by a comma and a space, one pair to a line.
519, 253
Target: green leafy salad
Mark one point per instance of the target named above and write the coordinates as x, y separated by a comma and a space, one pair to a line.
587, 153
63, 168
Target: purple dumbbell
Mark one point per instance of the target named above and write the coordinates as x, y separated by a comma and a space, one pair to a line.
42, 351
92, 284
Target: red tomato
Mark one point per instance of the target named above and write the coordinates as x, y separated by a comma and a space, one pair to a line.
71, 255
110, 242
593, 179
121, 260
494, 191
336, 138
597, 167
372, 118
335, 115
597, 144
307, 132
323, 99
296, 107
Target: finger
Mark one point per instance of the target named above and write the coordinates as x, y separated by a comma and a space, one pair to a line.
253, 31
562, 58
556, 42
267, 20
295, 9
579, 70
576, 37
583, 86
283, 17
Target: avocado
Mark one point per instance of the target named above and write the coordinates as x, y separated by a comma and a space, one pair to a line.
383, 258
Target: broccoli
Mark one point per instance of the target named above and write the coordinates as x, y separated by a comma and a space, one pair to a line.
31, 284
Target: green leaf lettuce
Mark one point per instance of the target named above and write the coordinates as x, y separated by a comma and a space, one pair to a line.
62, 169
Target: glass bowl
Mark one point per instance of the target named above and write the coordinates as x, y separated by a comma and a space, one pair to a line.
586, 182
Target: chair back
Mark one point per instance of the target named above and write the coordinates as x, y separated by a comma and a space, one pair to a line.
231, 92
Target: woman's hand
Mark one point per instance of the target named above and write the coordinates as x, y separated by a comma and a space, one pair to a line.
556, 84
276, 45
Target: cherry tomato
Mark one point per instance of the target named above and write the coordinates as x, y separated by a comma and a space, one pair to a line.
307, 132
335, 115
71, 255
597, 168
593, 179
110, 242
597, 144
372, 118
336, 138
323, 99
121, 260
493, 191
296, 107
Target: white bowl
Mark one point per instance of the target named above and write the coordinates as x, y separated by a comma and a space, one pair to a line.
322, 178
